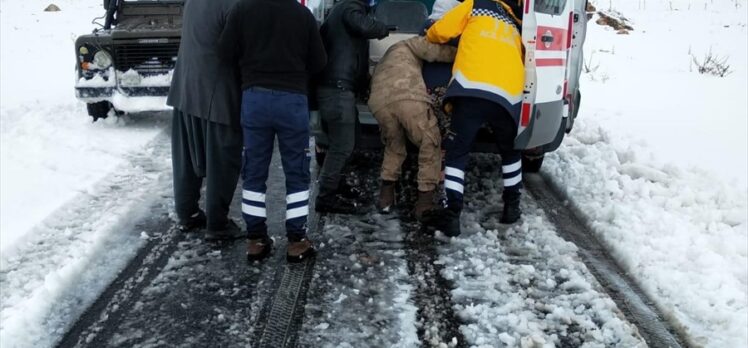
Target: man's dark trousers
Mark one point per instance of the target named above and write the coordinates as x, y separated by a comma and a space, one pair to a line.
468, 116
337, 109
200, 149
265, 114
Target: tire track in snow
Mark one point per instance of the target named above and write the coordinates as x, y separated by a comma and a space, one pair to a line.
437, 322
95, 228
629, 297
181, 290
360, 294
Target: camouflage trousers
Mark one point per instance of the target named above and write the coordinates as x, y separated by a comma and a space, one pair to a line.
415, 121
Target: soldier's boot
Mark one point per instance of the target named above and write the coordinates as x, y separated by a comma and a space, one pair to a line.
424, 203
386, 197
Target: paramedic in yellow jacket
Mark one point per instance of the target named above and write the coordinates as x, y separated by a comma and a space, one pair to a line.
486, 87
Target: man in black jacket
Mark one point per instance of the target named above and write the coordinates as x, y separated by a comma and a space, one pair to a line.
206, 135
278, 47
346, 32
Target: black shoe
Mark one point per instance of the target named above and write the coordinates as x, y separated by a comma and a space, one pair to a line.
258, 249
511, 213
194, 222
451, 227
445, 220
335, 204
230, 232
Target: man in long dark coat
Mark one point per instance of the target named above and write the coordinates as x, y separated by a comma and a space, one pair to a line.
206, 132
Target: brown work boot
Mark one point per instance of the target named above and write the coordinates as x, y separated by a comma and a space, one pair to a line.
386, 197
299, 251
424, 203
258, 249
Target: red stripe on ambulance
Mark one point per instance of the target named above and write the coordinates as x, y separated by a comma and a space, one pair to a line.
551, 39
524, 119
550, 62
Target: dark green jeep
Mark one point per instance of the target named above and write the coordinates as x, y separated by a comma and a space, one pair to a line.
132, 55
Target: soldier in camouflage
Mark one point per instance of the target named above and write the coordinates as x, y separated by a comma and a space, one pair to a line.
403, 107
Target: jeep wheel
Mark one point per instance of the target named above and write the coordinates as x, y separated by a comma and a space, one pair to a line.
99, 110
532, 163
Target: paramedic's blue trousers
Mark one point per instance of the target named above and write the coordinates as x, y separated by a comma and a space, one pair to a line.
266, 114
467, 117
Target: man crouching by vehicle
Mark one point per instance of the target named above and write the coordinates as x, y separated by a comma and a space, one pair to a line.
278, 47
487, 84
402, 107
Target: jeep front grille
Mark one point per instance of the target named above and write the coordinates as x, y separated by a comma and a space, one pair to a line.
146, 58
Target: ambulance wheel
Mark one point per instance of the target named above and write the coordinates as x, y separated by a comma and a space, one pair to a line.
99, 109
532, 164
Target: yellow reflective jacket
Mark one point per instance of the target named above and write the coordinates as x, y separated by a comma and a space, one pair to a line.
489, 62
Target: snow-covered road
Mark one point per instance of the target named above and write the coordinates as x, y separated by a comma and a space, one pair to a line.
519, 286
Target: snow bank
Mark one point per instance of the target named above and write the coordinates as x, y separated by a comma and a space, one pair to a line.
68, 189
657, 160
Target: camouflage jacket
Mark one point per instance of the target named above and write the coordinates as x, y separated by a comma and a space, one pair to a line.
398, 76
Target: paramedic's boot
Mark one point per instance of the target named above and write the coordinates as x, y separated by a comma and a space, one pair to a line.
451, 225
424, 203
386, 197
194, 222
259, 248
511, 212
299, 250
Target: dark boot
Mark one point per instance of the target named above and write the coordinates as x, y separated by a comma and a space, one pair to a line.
445, 220
336, 204
300, 250
230, 232
260, 248
193, 223
511, 212
424, 203
451, 227
386, 197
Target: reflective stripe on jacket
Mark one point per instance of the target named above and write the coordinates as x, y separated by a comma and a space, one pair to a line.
489, 62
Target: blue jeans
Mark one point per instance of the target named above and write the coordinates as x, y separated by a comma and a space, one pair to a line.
266, 114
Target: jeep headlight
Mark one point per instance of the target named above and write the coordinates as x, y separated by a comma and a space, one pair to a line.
102, 60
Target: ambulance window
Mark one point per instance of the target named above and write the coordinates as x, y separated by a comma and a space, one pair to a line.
551, 7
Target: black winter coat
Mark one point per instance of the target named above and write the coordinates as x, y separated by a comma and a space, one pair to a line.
345, 33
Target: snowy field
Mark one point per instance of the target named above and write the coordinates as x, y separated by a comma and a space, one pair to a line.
657, 162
